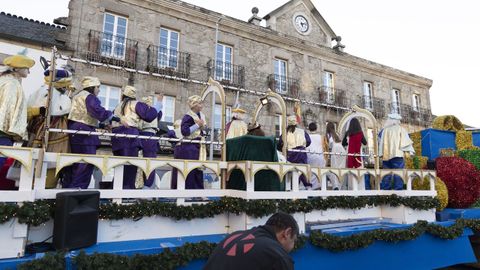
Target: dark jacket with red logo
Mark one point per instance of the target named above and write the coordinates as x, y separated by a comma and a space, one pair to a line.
253, 249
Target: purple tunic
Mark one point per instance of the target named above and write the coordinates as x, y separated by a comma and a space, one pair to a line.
145, 113
129, 147
81, 173
298, 157
190, 151
150, 149
95, 110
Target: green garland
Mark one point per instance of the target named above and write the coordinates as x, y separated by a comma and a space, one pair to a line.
51, 261
181, 256
472, 156
362, 240
39, 212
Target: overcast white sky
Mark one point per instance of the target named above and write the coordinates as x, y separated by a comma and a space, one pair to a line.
437, 39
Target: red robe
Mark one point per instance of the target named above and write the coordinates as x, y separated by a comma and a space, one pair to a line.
354, 146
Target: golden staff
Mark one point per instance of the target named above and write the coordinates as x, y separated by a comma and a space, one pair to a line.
44, 144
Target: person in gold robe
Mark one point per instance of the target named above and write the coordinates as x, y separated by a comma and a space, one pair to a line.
237, 127
13, 105
60, 105
394, 144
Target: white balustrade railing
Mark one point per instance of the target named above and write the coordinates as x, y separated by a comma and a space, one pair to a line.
32, 188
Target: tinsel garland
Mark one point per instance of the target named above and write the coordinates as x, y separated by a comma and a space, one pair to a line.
472, 156
416, 137
464, 140
447, 122
462, 179
416, 162
36, 213
440, 187
181, 256
258, 208
362, 240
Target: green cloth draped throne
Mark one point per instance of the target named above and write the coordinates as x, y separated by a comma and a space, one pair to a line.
254, 148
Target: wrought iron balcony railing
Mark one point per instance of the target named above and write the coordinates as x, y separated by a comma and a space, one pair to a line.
284, 85
333, 96
168, 62
112, 49
227, 73
411, 115
374, 105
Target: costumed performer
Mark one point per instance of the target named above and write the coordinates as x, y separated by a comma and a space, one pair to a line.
13, 104
131, 113
297, 139
394, 145
192, 127
85, 115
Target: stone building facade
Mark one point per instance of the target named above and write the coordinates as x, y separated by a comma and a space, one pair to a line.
295, 54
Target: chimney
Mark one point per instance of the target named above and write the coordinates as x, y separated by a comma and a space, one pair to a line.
255, 19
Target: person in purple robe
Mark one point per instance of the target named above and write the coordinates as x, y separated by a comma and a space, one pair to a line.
297, 139
131, 113
150, 147
85, 115
191, 128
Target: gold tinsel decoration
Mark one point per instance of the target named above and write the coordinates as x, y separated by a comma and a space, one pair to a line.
440, 187
417, 142
447, 152
410, 163
447, 122
464, 140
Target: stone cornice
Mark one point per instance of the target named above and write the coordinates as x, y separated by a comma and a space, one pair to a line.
243, 29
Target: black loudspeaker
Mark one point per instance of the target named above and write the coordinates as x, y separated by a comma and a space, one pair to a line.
76, 219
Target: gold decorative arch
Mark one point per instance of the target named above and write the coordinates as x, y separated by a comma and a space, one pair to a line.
359, 112
278, 100
215, 87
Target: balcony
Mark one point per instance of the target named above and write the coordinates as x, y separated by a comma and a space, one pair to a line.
333, 96
111, 49
168, 62
412, 116
375, 105
420, 117
227, 73
284, 85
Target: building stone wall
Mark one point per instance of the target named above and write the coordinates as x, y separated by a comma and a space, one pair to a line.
254, 47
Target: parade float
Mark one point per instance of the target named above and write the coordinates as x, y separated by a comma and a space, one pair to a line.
178, 228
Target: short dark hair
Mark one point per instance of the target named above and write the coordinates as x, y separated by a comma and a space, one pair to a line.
281, 221
312, 126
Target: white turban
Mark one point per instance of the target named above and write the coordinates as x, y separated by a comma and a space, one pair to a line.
292, 120
194, 100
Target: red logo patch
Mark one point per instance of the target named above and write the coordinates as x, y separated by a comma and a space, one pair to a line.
245, 244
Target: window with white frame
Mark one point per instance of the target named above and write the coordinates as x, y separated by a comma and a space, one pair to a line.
367, 95
416, 102
168, 49
278, 125
395, 101
218, 115
329, 85
109, 96
168, 109
280, 73
114, 36
223, 67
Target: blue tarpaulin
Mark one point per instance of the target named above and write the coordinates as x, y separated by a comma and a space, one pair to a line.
476, 138
433, 140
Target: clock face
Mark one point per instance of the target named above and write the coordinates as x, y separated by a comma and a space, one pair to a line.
301, 24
